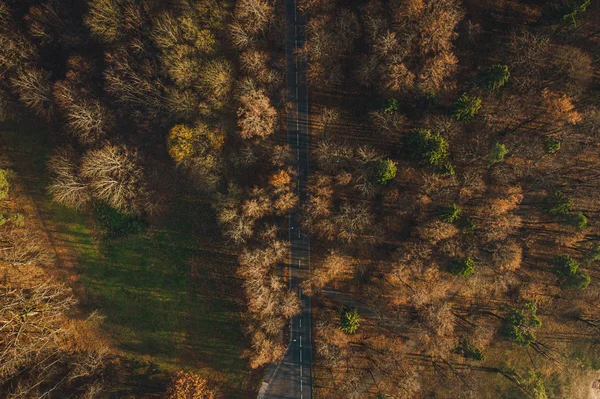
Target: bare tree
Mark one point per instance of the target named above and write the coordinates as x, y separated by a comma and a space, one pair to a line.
254, 14
68, 187
110, 20
34, 90
115, 175
15, 50
216, 79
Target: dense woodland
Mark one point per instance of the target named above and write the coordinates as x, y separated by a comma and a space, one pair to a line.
453, 202
454, 198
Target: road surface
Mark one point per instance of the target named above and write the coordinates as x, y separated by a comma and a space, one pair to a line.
293, 376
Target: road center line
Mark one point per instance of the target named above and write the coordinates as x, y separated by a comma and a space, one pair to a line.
300, 356
301, 341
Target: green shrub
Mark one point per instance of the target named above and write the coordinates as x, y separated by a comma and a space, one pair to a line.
569, 274
572, 8
467, 225
426, 148
18, 219
5, 175
519, 323
349, 320
386, 171
461, 267
452, 213
564, 266
580, 221
552, 146
495, 77
499, 151
558, 204
446, 169
391, 106
112, 224
593, 255
465, 108
579, 280
468, 350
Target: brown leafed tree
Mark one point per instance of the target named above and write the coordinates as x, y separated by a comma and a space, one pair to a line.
37, 350
187, 385
334, 266
256, 115
560, 108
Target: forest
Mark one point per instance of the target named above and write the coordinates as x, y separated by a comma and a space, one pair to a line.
452, 206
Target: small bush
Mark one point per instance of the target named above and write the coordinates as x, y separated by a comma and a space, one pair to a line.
5, 174
495, 77
593, 255
519, 323
114, 224
461, 267
446, 169
467, 225
452, 213
552, 146
391, 106
580, 221
468, 350
499, 151
426, 148
572, 9
569, 274
558, 204
564, 266
466, 107
386, 171
579, 280
349, 320
18, 219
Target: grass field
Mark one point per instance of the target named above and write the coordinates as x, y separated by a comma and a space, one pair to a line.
169, 295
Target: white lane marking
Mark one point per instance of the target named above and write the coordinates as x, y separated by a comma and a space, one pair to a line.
301, 388
300, 356
300, 322
300, 371
298, 262
298, 233
301, 341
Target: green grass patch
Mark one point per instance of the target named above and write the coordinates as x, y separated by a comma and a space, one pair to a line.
168, 298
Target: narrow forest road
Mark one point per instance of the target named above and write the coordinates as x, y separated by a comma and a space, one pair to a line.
292, 378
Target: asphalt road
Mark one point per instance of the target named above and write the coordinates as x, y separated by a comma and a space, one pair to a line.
293, 376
